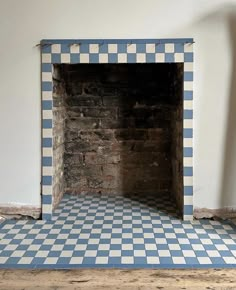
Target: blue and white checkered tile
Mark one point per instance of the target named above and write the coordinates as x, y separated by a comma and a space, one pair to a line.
115, 51
108, 231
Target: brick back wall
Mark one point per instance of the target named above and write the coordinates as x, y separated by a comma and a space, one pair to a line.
59, 117
118, 128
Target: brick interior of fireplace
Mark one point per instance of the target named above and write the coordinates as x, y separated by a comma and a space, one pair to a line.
117, 129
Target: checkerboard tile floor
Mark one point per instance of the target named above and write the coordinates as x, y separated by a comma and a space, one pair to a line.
108, 231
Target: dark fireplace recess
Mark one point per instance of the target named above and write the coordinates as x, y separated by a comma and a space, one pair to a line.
118, 129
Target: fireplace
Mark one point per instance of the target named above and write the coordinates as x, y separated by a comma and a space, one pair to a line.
117, 119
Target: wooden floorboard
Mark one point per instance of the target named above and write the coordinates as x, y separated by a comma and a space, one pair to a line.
118, 279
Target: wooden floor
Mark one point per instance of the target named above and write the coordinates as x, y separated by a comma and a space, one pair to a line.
118, 279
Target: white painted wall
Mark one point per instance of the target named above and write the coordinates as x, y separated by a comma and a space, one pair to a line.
24, 23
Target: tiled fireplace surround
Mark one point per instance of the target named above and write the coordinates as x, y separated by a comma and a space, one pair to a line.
155, 51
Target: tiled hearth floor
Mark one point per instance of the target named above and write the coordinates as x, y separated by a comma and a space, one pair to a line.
106, 231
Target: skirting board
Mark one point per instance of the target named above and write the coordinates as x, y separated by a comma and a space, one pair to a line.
13, 210
223, 213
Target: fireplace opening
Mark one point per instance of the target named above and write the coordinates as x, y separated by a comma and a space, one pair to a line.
118, 129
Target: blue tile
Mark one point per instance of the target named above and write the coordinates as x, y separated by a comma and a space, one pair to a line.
188, 76
47, 142
65, 48
46, 67
188, 209
188, 190
84, 48
46, 180
46, 161
93, 58
47, 86
150, 58
131, 57
47, 123
188, 114
122, 48
160, 48
141, 48
188, 57
47, 105
47, 199
179, 48
188, 171
112, 58
169, 57
188, 95
188, 152
188, 133
74, 58
103, 48
56, 57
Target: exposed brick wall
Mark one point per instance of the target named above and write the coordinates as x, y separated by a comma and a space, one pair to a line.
59, 116
119, 128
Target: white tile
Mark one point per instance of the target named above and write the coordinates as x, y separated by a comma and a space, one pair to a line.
101, 260
131, 48
46, 189
42, 254
153, 260
57, 247
94, 48
184, 241
188, 86
116, 241
140, 57
179, 57
188, 180
228, 241
204, 260
188, 200
188, 123
47, 208
112, 48
93, 241
188, 142
103, 58
164, 253
76, 260
84, 58
65, 58
47, 170
47, 96
139, 253
104, 247
188, 105
160, 57
179, 260
188, 47
229, 260
115, 253
17, 253
188, 253
188, 66
81, 247
206, 241
75, 48
150, 47
56, 48
213, 253
25, 260
46, 133
46, 76
127, 260
174, 247
127, 247
169, 47
90, 253
46, 58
